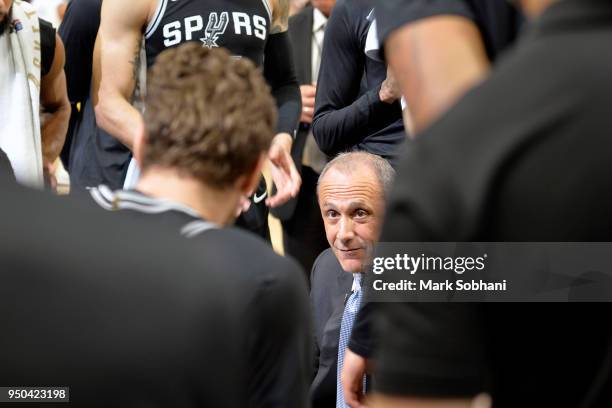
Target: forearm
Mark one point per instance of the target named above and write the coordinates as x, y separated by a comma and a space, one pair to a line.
119, 118
53, 133
338, 129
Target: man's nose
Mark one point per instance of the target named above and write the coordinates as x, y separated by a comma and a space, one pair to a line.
346, 232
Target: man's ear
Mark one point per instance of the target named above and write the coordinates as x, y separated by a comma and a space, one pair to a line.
249, 182
139, 145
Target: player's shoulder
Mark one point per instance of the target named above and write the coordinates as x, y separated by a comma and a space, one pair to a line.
241, 249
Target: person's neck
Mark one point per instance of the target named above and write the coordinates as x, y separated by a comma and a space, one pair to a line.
213, 205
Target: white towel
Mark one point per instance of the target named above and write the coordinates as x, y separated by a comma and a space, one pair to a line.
20, 61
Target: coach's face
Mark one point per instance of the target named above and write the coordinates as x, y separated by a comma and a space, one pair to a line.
352, 206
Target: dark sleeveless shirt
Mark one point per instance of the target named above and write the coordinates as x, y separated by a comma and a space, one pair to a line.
241, 26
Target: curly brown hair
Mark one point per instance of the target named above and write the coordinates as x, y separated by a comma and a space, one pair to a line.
208, 114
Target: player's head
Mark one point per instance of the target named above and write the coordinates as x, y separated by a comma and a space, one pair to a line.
5, 15
208, 116
351, 191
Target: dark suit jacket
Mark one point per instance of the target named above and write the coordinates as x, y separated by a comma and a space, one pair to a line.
330, 285
88, 300
300, 34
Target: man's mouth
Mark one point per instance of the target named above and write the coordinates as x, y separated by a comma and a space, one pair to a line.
349, 252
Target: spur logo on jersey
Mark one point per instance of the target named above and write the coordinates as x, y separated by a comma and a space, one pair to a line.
186, 29
214, 29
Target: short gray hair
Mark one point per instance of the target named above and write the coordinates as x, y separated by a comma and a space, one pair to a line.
347, 162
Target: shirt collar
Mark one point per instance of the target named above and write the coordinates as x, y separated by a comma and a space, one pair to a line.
319, 20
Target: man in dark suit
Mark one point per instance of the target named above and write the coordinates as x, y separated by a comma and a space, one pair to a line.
90, 302
351, 194
303, 233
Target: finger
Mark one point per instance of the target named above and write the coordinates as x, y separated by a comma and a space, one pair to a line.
296, 179
282, 194
309, 101
310, 91
282, 183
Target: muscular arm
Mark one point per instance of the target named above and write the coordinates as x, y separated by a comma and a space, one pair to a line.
115, 67
54, 100
436, 60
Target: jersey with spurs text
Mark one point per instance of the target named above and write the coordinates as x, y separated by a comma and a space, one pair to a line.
241, 26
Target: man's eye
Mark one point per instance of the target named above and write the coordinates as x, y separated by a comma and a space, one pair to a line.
361, 213
332, 214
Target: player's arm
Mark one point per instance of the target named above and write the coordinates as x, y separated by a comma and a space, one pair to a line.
280, 74
54, 100
342, 116
436, 60
116, 65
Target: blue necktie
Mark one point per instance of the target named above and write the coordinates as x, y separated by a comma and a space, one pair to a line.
348, 318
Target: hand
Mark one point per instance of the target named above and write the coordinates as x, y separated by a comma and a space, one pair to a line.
49, 176
243, 205
353, 370
389, 90
284, 174
308, 102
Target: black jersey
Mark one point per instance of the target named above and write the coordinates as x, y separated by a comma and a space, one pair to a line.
272, 296
241, 26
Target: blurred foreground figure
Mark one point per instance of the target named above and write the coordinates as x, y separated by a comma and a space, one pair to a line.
510, 162
210, 120
121, 319
439, 49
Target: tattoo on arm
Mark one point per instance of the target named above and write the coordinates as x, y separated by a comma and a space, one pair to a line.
137, 94
135, 61
280, 21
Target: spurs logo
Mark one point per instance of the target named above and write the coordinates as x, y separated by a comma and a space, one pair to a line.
216, 27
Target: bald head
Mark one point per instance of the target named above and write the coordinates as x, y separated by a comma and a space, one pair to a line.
348, 163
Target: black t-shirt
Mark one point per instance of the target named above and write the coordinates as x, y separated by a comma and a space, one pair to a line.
274, 307
349, 114
497, 20
78, 31
47, 46
123, 319
525, 156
